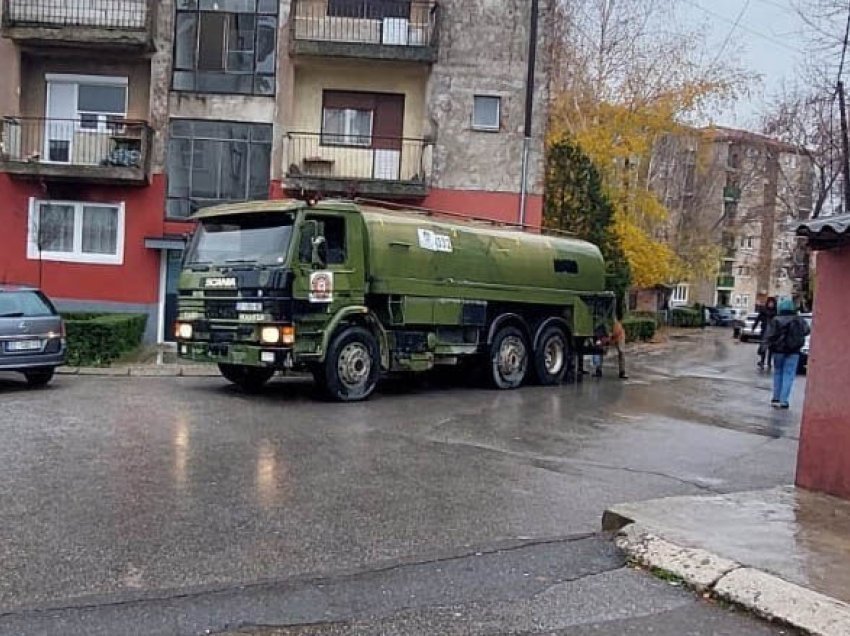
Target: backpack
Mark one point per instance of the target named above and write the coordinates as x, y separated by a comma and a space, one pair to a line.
788, 336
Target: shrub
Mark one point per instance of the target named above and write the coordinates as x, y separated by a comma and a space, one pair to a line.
98, 339
639, 328
685, 317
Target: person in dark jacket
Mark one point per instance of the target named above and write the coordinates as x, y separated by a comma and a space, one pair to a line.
766, 315
786, 335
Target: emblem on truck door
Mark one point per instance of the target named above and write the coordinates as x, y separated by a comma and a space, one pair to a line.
227, 282
321, 287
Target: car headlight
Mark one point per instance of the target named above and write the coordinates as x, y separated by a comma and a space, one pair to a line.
183, 331
270, 335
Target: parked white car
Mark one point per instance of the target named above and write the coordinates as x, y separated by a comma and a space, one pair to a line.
749, 331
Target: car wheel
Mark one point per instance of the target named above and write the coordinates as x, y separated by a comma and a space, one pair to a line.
551, 358
352, 366
39, 378
249, 379
508, 359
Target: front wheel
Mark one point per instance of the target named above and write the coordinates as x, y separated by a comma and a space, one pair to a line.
39, 378
249, 379
508, 358
352, 366
551, 358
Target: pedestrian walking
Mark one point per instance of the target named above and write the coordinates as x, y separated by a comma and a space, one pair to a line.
786, 335
766, 315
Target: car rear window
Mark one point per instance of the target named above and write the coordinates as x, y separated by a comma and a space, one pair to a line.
25, 304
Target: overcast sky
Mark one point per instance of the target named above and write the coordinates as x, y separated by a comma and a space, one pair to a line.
766, 33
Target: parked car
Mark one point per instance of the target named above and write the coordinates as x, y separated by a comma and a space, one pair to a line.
722, 316
803, 364
32, 334
749, 331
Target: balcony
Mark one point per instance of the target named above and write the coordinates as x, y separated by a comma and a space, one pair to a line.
386, 167
725, 281
116, 151
116, 24
731, 194
403, 30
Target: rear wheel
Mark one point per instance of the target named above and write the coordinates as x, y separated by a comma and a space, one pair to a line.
352, 366
508, 358
39, 378
250, 379
551, 358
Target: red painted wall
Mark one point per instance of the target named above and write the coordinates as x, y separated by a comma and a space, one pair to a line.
823, 461
136, 281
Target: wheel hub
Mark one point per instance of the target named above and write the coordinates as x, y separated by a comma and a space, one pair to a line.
355, 364
512, 357
553, 355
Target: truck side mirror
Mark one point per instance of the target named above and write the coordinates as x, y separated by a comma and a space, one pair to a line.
320, 249
313, 244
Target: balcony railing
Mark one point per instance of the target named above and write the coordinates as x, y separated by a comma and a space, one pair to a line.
725, 282
352, 164
383, 29
95, 148
89, 22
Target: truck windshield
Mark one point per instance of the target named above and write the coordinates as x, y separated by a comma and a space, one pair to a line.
262, 239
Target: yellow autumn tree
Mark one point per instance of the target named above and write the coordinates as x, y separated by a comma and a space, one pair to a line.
621, 87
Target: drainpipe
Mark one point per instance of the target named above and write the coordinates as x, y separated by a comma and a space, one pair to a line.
529, 109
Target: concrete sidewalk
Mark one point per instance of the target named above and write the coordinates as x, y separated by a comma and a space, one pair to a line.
783, 553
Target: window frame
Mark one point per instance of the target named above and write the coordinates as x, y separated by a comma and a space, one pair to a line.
221, 140
194, 68
103, 118
325, 136
77, 255
486, 128
676, 297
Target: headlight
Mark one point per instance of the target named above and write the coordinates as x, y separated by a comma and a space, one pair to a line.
183, 331
270, 335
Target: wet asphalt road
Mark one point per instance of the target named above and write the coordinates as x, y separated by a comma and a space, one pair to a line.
180, 505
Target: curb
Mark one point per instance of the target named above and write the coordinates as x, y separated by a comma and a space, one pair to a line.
762, 593
151, 371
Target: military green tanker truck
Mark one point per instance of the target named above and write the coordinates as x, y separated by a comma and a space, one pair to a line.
351, 292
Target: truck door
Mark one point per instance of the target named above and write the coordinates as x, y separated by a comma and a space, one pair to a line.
340, 281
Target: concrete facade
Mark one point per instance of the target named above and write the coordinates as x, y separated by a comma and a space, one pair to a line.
748, 193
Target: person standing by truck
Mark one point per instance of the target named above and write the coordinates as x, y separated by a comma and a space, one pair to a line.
786, 335
603, 341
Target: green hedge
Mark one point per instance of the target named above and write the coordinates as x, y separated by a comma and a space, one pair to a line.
685, 317
639, 328
98, 339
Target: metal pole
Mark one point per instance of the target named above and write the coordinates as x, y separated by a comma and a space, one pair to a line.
529, 108
845, 144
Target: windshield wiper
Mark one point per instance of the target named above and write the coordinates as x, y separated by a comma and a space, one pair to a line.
241, 261
13, 314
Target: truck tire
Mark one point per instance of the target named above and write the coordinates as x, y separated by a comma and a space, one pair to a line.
39, 378
508, 359
551, 358
352, 366
249, 379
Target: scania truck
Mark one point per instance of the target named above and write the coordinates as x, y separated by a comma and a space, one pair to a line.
352, 291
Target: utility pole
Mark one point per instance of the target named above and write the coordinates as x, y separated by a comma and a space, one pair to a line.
529, 109
845, 144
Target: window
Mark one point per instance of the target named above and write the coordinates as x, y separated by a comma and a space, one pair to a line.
566, 266
748, 242
25, 304
226, 46
95, 103
346, 127
745, 301
369, 9
680, 294
744, 271
486, 112
333, 229
212, 162
77, 232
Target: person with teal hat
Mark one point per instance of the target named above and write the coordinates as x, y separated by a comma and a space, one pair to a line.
786, 336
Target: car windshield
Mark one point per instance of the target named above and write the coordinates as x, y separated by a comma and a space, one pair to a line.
24, 304
246, 238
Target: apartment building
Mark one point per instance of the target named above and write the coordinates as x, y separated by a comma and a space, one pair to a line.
120, 118
746, 194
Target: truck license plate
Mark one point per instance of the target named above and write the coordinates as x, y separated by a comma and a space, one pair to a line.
23, 345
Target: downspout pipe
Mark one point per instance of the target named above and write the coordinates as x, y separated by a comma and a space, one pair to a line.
529, 109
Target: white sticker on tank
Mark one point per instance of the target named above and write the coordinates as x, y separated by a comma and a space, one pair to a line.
434, 242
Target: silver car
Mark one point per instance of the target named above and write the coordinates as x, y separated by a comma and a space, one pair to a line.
749, 330
32, 334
